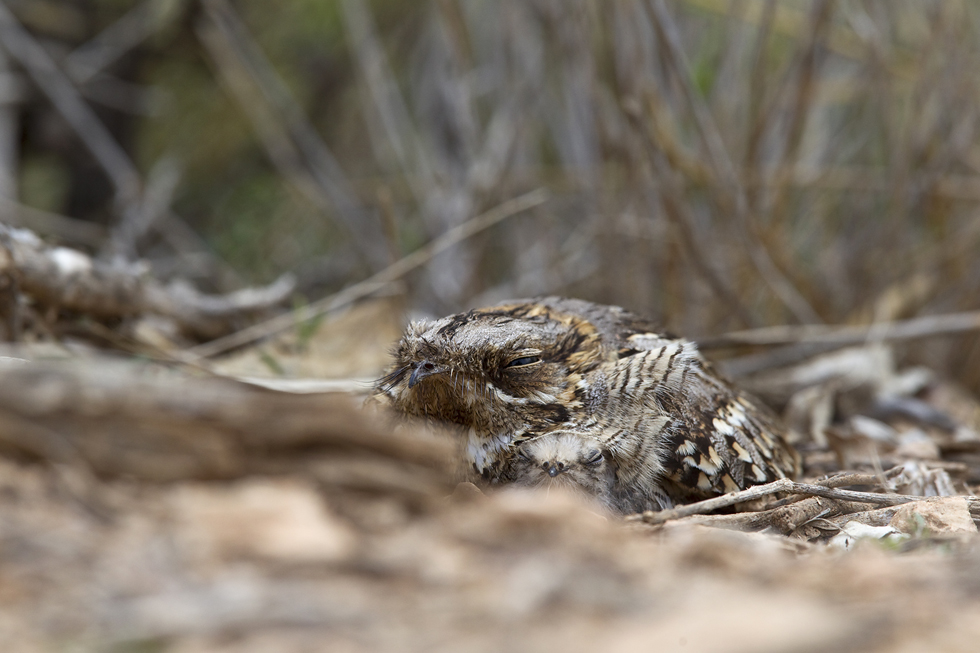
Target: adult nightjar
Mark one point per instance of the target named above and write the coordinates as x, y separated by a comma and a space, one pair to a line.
669, 427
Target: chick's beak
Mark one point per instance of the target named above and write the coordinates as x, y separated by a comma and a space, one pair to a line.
422, 370
553, 470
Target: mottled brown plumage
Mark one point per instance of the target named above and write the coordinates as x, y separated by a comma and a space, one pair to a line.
672, 429
568, 460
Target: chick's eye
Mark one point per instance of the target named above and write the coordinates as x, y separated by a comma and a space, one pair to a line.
593, 458
523, 360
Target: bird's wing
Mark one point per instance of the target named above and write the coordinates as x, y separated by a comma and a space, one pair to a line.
672, 423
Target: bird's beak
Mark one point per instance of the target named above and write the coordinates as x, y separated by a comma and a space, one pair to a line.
422, 370
553, 470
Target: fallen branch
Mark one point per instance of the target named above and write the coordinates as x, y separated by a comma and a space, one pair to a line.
844, 479
133, 420
784, 486
69, 279
783, 519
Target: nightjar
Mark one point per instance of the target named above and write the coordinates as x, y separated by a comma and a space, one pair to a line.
569, 460
669, 428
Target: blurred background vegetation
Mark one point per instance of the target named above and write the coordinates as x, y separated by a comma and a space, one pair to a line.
714, 164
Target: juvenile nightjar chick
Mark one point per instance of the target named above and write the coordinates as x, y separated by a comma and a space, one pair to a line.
564, 459
672, 429
576, 461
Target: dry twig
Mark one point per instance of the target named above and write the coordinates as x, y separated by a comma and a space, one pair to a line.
19, 43
776, 487
841, 336
65, 229
125, 34
293, 145
724, 169
377, 281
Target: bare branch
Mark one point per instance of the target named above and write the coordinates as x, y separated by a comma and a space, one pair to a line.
776, 487
373, 283
9, 130
127, 33
841, 336
65, 97
69, 279
387, 99
66, 229
153, 207
293, 143
674, 206
822, 11
725, 169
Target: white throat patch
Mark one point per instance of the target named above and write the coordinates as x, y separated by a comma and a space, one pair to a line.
481, 450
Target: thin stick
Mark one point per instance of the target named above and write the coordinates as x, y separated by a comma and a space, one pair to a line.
724, 501
153, 206
920, 327
767, 360
820, 19
710, 136
856, 478
759, 491
71, 230
122, 36
117, 165
391, 273
844, 479
9, 132
790, 22
757, 112
386, 99
674, 207
296, 144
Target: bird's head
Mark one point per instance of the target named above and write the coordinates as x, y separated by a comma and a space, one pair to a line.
493, 369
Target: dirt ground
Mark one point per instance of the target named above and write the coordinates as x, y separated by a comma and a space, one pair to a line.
148, 508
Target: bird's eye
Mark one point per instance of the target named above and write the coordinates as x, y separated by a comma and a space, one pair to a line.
523, 360
593, 457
